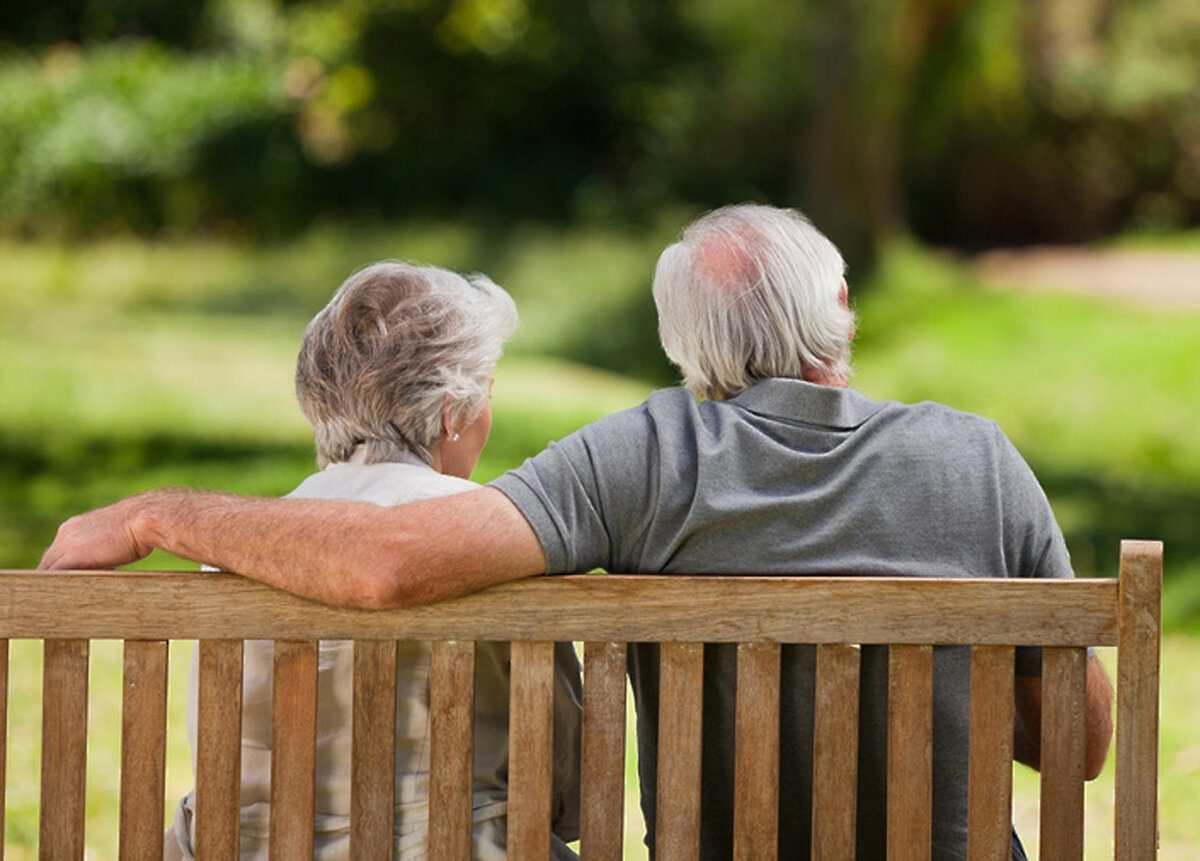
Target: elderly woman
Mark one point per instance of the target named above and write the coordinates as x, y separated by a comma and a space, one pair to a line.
394, 375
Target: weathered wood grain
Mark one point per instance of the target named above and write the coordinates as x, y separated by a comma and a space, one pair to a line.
680, 708
989, 791
64, 748
1138, 662
143, 749
372, 762
530, 748
910, 753
219, 750
835, 752
756, 753
452, 748
126, 604
1062, 752
602, 765
293, 749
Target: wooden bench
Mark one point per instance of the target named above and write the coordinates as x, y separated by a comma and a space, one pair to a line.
605, 612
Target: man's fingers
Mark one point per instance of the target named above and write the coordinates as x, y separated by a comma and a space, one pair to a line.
57, 556
49, 558
98, 539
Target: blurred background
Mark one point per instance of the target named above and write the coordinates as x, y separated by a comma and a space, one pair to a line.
1016, 186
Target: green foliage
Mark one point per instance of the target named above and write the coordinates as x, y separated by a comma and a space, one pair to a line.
1058, 121
985, 122
83, 129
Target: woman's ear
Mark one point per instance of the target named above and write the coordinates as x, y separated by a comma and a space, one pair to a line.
448, 422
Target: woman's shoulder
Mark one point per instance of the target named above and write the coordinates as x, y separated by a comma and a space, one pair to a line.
380, 483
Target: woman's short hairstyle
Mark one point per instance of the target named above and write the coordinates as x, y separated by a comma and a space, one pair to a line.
751, 292
395, 345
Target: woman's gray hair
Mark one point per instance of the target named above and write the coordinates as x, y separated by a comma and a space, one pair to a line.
751, 292
396, 344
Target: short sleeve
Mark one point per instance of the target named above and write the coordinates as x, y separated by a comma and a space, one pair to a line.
1033, 542
588, 496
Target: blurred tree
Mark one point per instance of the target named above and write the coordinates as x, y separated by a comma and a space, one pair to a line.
968, 122
866, 58
1060, 121
91, 21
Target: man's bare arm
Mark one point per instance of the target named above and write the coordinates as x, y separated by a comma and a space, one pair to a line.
346, 553
1027, 739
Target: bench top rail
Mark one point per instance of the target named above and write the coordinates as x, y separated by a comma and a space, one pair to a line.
621, 608
66, 609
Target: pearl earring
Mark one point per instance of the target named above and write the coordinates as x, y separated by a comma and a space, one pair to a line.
454, 438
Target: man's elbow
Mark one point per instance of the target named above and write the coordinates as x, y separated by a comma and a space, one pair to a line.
1099, 725
384, 585
1099, 738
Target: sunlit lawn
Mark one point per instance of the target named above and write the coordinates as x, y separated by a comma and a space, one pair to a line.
129, 365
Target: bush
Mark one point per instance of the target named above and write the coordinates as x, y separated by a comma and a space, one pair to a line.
105, 137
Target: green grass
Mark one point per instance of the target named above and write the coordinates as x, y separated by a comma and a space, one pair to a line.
128, 365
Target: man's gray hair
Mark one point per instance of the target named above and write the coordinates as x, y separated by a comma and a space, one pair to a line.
396, 344
751, 292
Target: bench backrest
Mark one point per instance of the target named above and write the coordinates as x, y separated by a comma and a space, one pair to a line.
605, 612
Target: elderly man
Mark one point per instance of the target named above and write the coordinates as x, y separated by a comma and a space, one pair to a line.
779, 467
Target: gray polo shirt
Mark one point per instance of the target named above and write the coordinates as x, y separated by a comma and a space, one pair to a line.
794, 478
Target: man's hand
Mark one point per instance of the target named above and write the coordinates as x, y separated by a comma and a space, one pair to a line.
104, 538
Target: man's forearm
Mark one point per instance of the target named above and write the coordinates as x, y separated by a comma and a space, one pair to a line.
338, 552
1027, 736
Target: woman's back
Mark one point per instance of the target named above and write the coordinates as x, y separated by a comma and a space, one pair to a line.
391, 484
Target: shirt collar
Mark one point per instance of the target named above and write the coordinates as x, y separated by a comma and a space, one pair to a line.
796, 400
359, 456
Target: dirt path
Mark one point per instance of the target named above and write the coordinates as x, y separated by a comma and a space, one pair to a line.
1164, 279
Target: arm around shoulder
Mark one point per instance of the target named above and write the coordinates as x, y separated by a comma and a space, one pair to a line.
346, 553
450, 546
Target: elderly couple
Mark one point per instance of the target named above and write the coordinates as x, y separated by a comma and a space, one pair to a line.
767, 462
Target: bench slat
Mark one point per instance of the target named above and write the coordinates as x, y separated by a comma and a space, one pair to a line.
530, 749
1064, 675
64, 748
602, 766
372, 763
143, 749
989, 791
680, 709
452, 749
219, 750
756, 753
1138, 656
910, 752
3, 735
127, 605
293, 749
835, 752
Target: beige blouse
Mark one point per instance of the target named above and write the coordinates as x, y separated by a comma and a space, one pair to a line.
390, 484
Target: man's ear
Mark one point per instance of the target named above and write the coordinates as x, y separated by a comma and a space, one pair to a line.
447, 419
844, 294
